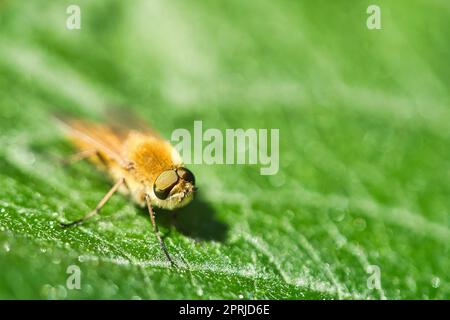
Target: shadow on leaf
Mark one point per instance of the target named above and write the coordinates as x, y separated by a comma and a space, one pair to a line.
197, 220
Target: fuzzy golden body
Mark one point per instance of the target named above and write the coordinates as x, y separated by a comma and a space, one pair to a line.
143, 166
137, 157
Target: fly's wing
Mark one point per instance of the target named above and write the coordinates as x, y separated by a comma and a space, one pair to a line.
143, 138
123, 120
89, 136
110, 139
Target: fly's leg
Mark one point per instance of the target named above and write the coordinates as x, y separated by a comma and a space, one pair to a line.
99, 206
156, 230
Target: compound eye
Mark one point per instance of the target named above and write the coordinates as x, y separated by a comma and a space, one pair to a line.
186, 175
164, 184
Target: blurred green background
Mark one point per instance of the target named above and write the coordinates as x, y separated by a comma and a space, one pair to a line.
364, 148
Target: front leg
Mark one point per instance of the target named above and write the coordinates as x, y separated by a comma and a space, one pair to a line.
157, 233
99, 206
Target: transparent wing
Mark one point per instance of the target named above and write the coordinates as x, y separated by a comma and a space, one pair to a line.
88, 135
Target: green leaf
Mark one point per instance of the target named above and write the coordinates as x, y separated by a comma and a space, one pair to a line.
363, 184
